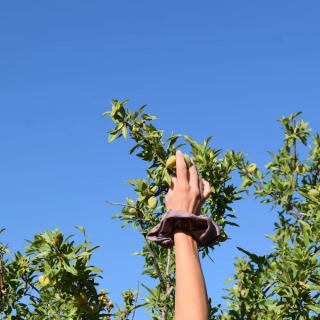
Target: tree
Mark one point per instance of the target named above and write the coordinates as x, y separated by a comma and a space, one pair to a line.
284, 284
281, 285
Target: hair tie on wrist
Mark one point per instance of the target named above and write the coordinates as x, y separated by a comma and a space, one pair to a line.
201, 228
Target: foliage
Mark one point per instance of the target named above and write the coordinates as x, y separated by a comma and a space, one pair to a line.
284, 284
44, 282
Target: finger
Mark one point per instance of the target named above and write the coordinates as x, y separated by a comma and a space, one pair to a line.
193, 176
182, 175
173, 181
207, 188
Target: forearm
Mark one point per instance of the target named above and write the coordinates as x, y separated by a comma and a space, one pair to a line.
191, 297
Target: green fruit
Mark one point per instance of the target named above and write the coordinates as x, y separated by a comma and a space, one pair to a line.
132, 211
301, 169
81, 297
252, 167
223, 237
187, 160
60, 238
217, 169
90, 308
171, 162
313, 193
152, 202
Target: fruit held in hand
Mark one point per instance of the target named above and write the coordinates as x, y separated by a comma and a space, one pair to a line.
90, 308
171, 162
313, 193
132, 211
152, 202
81, 297
252, 167
187, 160
301, 169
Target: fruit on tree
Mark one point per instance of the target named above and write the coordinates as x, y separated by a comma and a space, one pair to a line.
223, 236
132, 211
90, 308
45, 281
252, 167
152, 202
217, 169
313, 193
153, 189
301, 169
81, 297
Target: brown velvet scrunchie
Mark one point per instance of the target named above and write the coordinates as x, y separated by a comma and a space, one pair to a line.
201, 228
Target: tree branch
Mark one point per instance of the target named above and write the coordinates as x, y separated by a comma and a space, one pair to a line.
290, 207
169, 290
135, 302
152, 254
1, 269
121, 204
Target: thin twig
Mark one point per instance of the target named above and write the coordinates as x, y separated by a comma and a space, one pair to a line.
265, 290
135, 302
120, 204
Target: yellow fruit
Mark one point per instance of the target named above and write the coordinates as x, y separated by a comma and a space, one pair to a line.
45, 281
252, 167
132, 211
58, 297
171, 162
81, 297
313, 193
187, 160
153, 189
301, 169
152, 202
90, 308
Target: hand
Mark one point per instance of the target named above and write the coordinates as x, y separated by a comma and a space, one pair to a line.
188, 190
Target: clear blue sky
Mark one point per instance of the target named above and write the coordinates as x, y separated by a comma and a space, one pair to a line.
221, 68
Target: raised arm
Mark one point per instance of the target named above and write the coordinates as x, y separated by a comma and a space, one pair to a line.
188, 192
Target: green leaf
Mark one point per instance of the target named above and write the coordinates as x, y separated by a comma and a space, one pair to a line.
124, 132
112, 136
81, 229
315, 307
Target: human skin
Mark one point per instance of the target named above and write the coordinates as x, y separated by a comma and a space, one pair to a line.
188, 192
